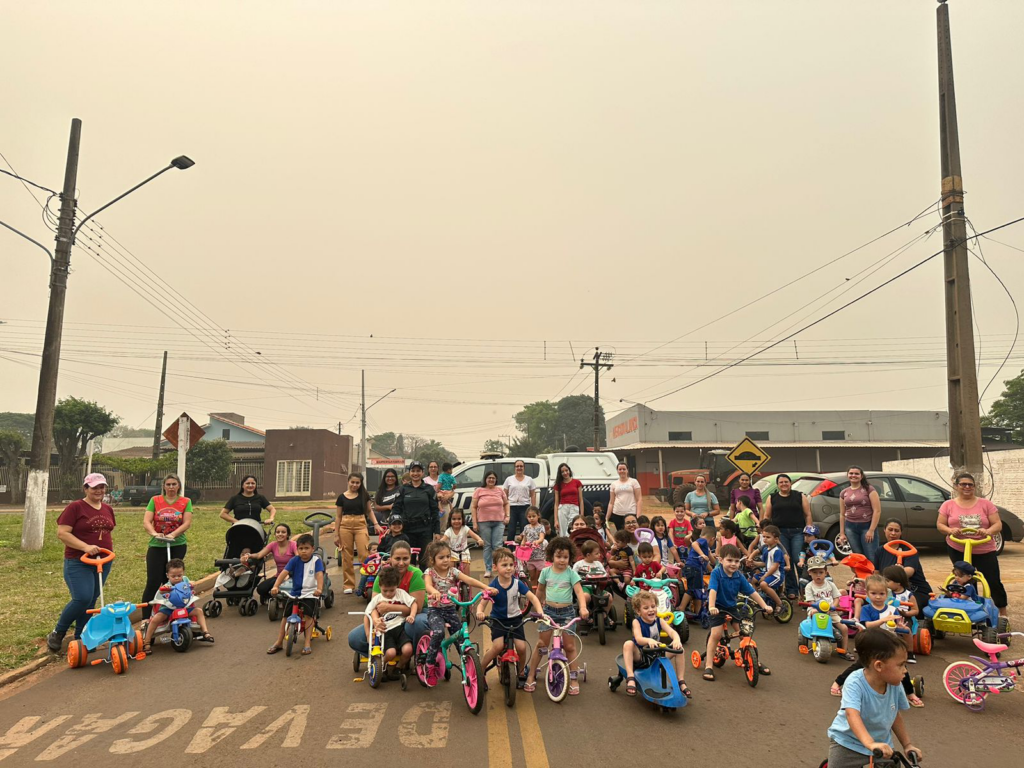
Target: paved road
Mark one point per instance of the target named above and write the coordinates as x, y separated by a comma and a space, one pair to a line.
232, 705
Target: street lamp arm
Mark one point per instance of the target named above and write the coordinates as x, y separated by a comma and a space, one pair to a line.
380, 398
31, 240
119, 197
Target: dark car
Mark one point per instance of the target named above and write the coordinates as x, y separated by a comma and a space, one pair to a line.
137, 495
912, 500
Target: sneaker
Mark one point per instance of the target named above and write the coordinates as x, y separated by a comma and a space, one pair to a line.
911, 658
55, 641
487, 574
348, 591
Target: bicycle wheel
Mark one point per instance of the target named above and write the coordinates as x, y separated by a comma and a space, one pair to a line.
472, 680
509, 679
955, 674
426, 670
785, 612
749, 656
291, 634
375, 670
557, 680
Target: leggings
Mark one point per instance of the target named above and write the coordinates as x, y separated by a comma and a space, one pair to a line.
908, 687
156, 571
437, 620
988, 564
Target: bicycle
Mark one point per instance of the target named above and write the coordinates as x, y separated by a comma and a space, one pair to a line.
297, 623
556, 681
745, 656
429, 673
898, 760
970, 683
508, 665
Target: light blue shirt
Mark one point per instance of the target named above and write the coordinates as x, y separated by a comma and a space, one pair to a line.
877, 710
701, 505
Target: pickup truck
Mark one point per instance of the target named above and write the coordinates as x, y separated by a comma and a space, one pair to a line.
139, 495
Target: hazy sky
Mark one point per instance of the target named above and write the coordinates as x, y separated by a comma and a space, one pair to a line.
433, 190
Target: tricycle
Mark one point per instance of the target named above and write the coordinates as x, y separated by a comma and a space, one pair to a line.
955, 613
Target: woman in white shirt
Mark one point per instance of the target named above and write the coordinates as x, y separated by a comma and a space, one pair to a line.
522, 494
624, 498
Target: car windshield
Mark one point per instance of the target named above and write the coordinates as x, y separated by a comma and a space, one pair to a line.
807, 484
763, 483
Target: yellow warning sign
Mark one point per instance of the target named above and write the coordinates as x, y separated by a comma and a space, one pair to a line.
747, 457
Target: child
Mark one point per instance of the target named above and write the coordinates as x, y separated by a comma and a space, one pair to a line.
306, 571
600, 523
680, 528
643, 521
392, 624
647, 629
506, 611
649, 568
662, 540
395, 528
898, 584
872, 703
725, 585
578, 523
440, 579
175, 575
773, 560
730, 535
963, 575
535, 535
445, 490
371, 564
746, 519
547, 528
558, 583
458, 535
821, 588
698, 561
620, 560
590, 567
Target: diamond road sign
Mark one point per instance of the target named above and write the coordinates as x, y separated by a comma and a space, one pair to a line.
747, 457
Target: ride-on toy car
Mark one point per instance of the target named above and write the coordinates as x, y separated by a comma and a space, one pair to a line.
955, 613
923, 635
817, 635
179, 630
111, 624
655, 678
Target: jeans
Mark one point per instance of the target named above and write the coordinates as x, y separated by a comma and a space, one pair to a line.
792, 541
855, 534
439, 619
84, 589
418, 628
493, 534
156, 571
517, 519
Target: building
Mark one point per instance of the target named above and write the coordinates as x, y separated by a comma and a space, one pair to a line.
655, 443
306, 463
231, 427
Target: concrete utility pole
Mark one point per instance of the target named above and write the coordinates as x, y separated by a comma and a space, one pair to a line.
158, 432
34, 523
597, 365
965, 449
362, 434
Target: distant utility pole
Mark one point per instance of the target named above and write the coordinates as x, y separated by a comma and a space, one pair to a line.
965, 448
362, 435
597, 365
158, 432
34, 524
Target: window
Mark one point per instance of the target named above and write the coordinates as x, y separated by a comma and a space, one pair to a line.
508, 468
881, 484
226, 434
472, 476
833, 434
680, 435
293, 477
758, 435
915, 490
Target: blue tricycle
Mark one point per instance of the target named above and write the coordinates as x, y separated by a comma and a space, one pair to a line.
817, 635
655, 676
111, 624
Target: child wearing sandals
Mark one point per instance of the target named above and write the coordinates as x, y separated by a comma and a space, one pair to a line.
396, 641
723, 589
647, 629
175, 575
306, 571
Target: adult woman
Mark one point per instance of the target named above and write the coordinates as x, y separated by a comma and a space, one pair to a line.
433, 473
351, 522
489, 511
411, 580
624, 497
282, 549
790, 511
247, 503
630, 524
745, 489
83, 528
859, 512
969, 512
385, 497
911, 563
416, 504
568, 498
522, 492
700, 502
168, 515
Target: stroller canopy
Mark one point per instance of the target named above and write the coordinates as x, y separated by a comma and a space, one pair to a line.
582, 535
244, 534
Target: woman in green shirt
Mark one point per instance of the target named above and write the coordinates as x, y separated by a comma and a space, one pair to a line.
167, 518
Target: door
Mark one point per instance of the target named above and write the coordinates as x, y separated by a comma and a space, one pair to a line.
922, 500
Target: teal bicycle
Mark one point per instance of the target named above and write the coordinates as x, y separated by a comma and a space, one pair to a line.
430, 671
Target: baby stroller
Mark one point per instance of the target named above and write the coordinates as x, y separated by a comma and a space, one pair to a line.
602, 612
237, 581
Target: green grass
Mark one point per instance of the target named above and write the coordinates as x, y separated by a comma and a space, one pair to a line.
33, 590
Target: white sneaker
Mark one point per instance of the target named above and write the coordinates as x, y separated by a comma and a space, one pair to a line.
487, 574
348, 591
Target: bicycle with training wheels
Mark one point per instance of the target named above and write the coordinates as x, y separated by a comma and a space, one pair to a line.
898, 760
508, 664
745, 656
430, 671
970, 682
558, 676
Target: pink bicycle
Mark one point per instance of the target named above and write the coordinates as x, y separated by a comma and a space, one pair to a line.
969, 682
556, 681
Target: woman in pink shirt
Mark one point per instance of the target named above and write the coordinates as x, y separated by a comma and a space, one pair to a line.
968, 512
282, 548
489, 511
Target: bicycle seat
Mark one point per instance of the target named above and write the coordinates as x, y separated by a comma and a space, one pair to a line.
989, 647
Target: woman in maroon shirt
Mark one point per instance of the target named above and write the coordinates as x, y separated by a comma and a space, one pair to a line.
84, 528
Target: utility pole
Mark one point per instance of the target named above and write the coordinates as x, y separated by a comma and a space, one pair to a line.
34, 523
965, 449
597, 365
158, 432
362, 434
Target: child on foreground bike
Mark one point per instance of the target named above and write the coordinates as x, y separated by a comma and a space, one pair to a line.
558, 584
506, 610
646, 633
872, 705
726, 584
440, 579
396, 641
772, 558
306, 571
175, 576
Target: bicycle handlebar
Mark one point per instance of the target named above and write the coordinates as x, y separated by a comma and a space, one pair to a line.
542, 618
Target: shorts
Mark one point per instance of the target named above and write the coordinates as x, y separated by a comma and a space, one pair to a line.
396, 638
775, 580
310, 606
506, 628
534, 566
718, 619
165, 610
560, 616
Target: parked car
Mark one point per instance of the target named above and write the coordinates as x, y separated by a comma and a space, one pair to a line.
139, 495
912, 500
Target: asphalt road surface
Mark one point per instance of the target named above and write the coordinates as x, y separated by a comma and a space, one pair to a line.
232, 705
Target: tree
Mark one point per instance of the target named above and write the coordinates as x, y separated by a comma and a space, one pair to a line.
123, 431
209, 461
494, 446
433, 451
539, 422
1008, 410
19, 422
576, 421
12, 444
140, 466
75, 423
399, 447
527, 448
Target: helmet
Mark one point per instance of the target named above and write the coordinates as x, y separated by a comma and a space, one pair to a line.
815, 562
812, 530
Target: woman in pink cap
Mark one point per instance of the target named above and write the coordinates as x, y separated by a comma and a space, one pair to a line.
84, 528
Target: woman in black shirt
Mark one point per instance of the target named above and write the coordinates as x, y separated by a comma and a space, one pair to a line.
247, 504
350, 527
387, 492
790, 511
911, 564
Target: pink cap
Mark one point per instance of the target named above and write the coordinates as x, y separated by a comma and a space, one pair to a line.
94, 479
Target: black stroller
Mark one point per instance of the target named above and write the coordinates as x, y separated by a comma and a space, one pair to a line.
237, 580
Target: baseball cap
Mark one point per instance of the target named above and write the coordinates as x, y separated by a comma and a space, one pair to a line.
964, 567
812, 530
94, 479
416, 465
395, 519
815, 562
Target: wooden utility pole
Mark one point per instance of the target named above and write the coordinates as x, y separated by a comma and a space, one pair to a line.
964, 423
158, 432
597, 365
33, 526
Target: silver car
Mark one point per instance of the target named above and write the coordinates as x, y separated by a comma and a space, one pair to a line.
912, 500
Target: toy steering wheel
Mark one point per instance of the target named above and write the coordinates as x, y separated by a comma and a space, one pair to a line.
106, 556
644, 535
823, 548
894, 548
985, 539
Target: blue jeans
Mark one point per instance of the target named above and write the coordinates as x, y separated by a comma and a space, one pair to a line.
85, 590
493, 534
792, 541
517, 519
418, 628
855, 534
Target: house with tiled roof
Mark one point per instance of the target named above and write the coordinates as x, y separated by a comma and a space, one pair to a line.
232, 427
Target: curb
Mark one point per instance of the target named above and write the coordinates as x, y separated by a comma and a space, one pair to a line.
36, 664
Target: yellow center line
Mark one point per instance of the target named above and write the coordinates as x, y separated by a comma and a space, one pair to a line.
499, 747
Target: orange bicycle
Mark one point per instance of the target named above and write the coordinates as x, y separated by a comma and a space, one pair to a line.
745, 656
